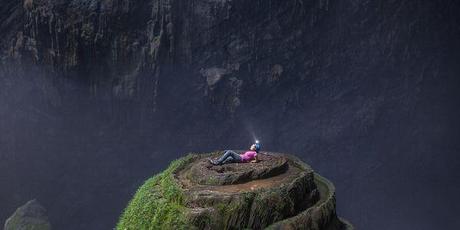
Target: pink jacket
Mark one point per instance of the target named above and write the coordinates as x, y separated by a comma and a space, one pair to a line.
248, 156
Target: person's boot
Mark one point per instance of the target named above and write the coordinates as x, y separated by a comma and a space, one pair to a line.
213, 162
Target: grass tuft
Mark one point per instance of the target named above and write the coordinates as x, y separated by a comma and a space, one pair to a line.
158, 203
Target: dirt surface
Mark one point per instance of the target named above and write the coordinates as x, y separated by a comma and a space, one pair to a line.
268, 163
205, 173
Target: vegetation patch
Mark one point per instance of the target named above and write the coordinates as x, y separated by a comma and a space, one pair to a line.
158, 204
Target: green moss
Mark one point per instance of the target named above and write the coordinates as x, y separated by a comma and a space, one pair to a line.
226, 211
203, 220
212, 180
158, 204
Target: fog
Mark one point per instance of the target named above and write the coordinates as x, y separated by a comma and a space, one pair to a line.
365, 93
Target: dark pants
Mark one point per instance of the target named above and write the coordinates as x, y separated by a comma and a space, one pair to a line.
229, 157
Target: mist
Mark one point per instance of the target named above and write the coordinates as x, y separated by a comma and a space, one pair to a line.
366, 93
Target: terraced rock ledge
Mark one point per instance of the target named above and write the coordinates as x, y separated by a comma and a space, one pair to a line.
278, 192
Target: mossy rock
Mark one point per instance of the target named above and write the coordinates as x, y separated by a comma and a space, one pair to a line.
280, 199
30, 216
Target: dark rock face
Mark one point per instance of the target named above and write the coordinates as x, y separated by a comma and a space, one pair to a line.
350, 86
31, 216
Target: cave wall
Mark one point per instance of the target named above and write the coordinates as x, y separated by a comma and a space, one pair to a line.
365, 91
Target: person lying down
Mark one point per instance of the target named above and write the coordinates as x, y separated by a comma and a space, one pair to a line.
231, 156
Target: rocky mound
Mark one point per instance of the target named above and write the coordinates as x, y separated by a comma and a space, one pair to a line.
279, 192
30, 216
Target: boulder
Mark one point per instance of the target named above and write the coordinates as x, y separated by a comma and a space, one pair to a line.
31, 216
